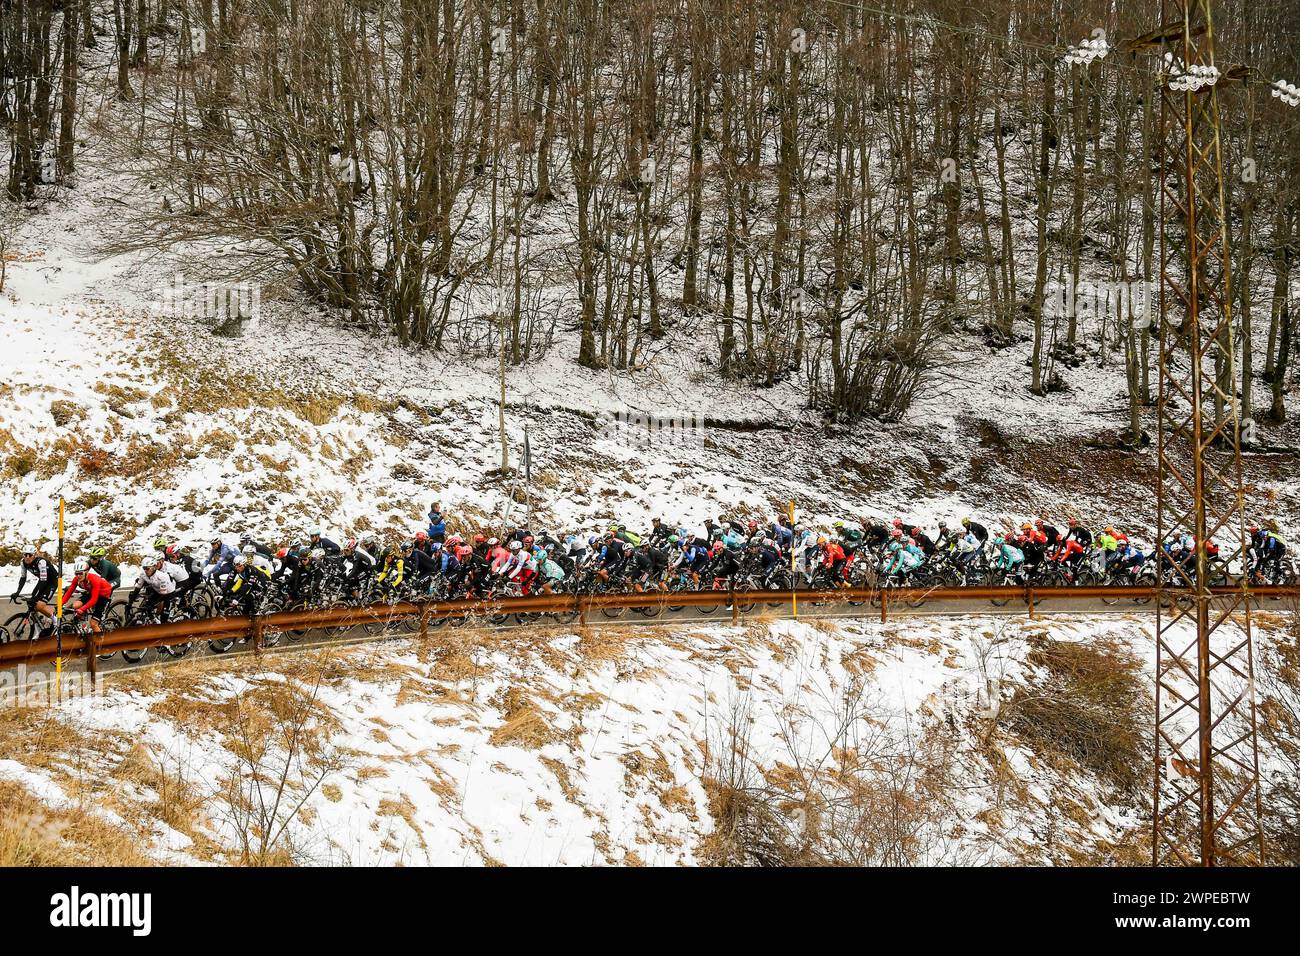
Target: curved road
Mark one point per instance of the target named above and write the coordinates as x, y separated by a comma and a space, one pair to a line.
931, 607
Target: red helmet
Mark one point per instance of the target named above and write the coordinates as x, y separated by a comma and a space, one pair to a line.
753, 523
915, 532
898, 522
421, 536
282, 553
171, 550
896, 533
479, 539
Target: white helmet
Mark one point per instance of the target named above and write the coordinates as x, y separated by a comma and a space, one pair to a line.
239, 561
249, 550
156, 558
514, 545
29, 550
79, 566
317, 554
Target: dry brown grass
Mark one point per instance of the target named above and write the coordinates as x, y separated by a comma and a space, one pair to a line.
32, 834
1090, 705
525, 725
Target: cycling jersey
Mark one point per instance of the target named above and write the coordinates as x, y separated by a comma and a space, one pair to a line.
96, 592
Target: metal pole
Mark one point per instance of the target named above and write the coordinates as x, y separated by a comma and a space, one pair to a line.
58, 614
794, 582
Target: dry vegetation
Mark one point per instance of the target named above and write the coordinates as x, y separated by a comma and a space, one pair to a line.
865, 789
1089, 704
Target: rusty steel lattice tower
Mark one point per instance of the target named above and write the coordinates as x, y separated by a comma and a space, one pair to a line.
1206, 786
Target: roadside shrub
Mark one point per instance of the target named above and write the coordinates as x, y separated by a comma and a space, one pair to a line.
1089, 704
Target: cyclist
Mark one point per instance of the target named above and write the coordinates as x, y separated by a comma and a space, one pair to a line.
924, 542
612, 557
1049, 532
902, 558
782, 533
302, 582
1006, 556
1128, 560
969, 548
159, 586
447, 562
834, 559
659, 531
361, 565
977, 529
850, 538
325, 544
88, 594
550, 573
769, 559
1266, 549
220, 561
46, 580
392, 570
183, 569
1068, 554
105, 568
1079, 533
947, 539
421, 566
695, 558
1108, 544
247, 584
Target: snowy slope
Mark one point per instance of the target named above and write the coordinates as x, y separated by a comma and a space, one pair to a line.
151, 424
611, 745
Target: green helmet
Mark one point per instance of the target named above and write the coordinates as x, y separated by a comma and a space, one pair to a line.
98, 553
160, 542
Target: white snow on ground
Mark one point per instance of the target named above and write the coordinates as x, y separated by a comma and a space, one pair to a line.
172, 430
558, 747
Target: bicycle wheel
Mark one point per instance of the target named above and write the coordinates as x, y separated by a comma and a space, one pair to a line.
707, 609
20, 627
924, 584
612, 612
135, 655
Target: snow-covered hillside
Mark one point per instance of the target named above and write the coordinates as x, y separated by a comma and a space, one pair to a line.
618, 745
923, 741
152, 424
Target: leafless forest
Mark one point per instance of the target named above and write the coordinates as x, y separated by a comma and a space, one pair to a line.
827, 189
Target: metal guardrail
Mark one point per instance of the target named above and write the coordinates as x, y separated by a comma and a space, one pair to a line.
33, 653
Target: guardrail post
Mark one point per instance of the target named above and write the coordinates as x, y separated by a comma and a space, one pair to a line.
92, 657
735, 611
884, 606
424, 621
257, 634
581, 606
1029, 598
